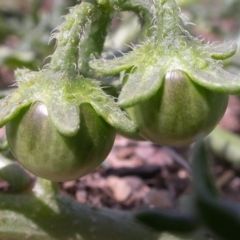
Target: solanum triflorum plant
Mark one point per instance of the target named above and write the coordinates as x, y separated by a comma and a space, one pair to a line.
61, 124
175, 88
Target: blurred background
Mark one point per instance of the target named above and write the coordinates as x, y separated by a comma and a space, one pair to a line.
135, 173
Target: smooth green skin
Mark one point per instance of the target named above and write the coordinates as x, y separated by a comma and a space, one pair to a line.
180, 112
42, 150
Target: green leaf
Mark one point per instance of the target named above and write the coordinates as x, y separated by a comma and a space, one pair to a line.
168, 221
203, 179
225, 144
221, 216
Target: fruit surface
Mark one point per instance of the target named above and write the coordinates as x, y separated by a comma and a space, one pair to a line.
45, 152
180, 112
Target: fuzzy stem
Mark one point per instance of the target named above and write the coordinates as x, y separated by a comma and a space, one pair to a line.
143, 8
92, 41
71, 32
83, 33
27, 216
169, 22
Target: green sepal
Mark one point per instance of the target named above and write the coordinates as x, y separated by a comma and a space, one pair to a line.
64, 115
215, 79
222, 51
106, 107
141, 85
16, 100
63, 94
114, 66
90, 91
144, 76
11, 105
